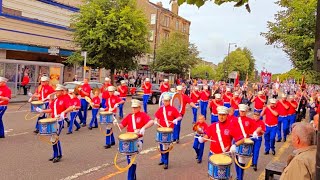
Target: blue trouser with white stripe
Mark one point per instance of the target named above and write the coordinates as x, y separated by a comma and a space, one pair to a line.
110, 138
236, 113
145, 102
270, 138
214, 118
164, 156
240, 171
176, 131
57, 150
94, 118
84, 108
198, 147
227, 104
283, 127
2, 111
256, 150
132, 170
203, 108
292, 120
195, 113
259, 111
121, 108
103, 103
41, 117
73, 121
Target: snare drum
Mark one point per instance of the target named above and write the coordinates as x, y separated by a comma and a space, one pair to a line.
128, 143
35, 104
176, 100
219, 166
246, 148
48, 126
106, 117
164, 135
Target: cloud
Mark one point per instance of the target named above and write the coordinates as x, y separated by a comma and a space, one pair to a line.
213, 27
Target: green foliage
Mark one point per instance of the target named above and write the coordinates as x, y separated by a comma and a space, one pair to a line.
199, 3
175, 55
201, 70
113, 32
240, 60
310, 76
293, 31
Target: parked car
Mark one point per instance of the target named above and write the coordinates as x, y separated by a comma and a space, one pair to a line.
153, 99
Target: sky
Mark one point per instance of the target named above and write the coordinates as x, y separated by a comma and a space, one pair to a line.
214, 27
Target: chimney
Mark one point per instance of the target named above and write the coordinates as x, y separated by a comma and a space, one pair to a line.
159, 4
175, 7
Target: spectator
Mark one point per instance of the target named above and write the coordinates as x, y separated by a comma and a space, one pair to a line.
302, 164
24, 83
75, 78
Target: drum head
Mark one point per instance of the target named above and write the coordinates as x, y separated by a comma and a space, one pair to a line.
165, 129
37, 102
105, 113
176, 101
128, 136
220, 159
248, 141
47, 120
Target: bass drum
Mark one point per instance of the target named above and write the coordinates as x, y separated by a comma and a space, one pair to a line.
176, 100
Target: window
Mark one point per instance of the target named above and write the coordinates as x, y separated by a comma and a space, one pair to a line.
166, 22
12, 12
151, 35
153, 19
166, 35
177, 25
184, 28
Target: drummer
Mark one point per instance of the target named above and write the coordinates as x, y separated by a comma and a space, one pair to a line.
195, 97
257, 142
259, 102
105, 92
204, 98
75, 104
137, 122
58, 109
95, 109
112, 103
123, 90
168, 116
84, 91
185, 100
213, 105
199, 128
147, 90
234, 103
227, 97
5, 95
164, 86
42, 93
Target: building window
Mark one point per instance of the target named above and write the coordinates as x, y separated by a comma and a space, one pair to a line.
12, 12
166, 21
153, 19
151, 35
184, 28
166, 35
177, 25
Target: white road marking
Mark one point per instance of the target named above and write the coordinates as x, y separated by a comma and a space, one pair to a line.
10, 112
8, 130
18, 134
152, 149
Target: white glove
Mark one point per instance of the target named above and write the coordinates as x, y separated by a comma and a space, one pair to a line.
63, 115
233, 148
155, 122
30, 100
116, 105
200, 139
30, 94
255, 135
142, 131
111, 109
102, 109
139, 145
311, 122
115, 122
175, 121
39, 110
197, 107
52, 139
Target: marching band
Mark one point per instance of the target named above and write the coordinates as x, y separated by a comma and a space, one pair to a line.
232, 133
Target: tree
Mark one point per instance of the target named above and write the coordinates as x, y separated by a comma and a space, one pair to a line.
203, 71
199, 3
175, 55
296, 74
113, 32
293, 31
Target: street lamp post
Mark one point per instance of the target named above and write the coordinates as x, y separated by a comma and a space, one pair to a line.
225, 68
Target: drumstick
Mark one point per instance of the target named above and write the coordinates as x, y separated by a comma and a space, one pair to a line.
158, 124
204, 138
117, 123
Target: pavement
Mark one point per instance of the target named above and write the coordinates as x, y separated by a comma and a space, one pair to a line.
24, 156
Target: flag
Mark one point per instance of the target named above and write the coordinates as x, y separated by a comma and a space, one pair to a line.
278, 79
236, 82
303, 84
247, 79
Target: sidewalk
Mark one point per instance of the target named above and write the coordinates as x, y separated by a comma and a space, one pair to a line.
19, 98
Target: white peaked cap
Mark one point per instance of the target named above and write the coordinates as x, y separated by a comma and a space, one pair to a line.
243, 107
165, 80
122, 81
196, 88
228, 89
222, 110
218, 96
284, 95
3, 79
260, 93
135, 103
272, 101
147, 79
45, 78
179, 88
236, 93
107, 79
205, 87
166, 97
173, 89
111, 88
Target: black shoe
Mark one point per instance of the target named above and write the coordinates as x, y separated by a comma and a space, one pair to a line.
51, 159
177, 141
95, 127
77, 129
161, 163
107, 146
273, 152
83, 125
69, 133
36, 131
255, 167
284, 140
279, 140
114, 143
165, 166
55, 160
90, 128
266, 153
59, 157
199, 161
1, 137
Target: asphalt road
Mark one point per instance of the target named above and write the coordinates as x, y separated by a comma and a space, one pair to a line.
24, 156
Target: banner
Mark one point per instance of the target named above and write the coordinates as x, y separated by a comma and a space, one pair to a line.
266, 77
54, 76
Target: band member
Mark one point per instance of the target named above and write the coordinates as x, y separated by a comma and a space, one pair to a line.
261, 128
227, 98
199, 128
166, 116
68, 99
292, 111
58, 108
84, 91
271, 122
136, 122
95, 109
147, 88
213, 106
259, 102
185, 100
105, 92
283, 122
234, 102
164, 87
204, 98
123, 90
5, 95
111, 105
42, 93
76, 105
195, 97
